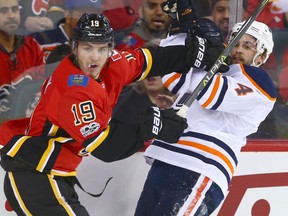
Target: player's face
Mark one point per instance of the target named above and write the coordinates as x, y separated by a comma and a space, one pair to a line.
9, 16
244, 51
92, 57
155, 19
220, 15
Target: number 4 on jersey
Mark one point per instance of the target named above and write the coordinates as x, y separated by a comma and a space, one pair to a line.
243, 90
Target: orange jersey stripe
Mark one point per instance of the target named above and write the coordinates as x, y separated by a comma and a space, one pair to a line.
168, 82
213, 93
209, 150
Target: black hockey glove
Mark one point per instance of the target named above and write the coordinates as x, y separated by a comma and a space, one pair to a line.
180, 14
164, 125
203, 52
204, 27
170, 7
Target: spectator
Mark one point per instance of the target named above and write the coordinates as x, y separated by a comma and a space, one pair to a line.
191, 176
55, 11
33, 14
17, 54
153, 23
203, 8
134, 4
221, 13
74, 111
122, 14
269, 16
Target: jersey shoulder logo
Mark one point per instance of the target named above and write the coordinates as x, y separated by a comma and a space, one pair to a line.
78, 80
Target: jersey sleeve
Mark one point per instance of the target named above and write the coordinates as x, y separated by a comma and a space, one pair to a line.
156, 61
237, 93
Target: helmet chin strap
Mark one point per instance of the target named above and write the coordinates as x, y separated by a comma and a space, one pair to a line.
254, 63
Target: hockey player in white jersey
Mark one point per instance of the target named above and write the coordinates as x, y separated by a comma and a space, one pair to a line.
191, 177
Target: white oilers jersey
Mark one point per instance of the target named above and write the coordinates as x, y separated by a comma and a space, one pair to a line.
231, 107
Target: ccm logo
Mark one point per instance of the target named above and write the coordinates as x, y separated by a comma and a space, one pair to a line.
200, 53
156, 121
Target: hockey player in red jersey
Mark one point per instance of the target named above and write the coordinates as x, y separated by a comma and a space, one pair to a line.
72, 117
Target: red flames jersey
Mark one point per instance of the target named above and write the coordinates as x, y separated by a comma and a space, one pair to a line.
73, 101
26, 55
273, 20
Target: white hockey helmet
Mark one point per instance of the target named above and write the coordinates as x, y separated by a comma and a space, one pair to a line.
262, 33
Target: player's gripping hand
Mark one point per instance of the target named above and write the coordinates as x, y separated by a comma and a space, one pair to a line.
164, 125
204, 27
170, 7
180, 14
203, 52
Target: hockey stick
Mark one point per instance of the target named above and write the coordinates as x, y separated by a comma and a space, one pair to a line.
188, 98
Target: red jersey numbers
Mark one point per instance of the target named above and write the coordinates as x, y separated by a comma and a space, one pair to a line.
83, 114
243, 90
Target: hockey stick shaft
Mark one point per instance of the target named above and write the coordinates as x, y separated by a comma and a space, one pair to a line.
189, 97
